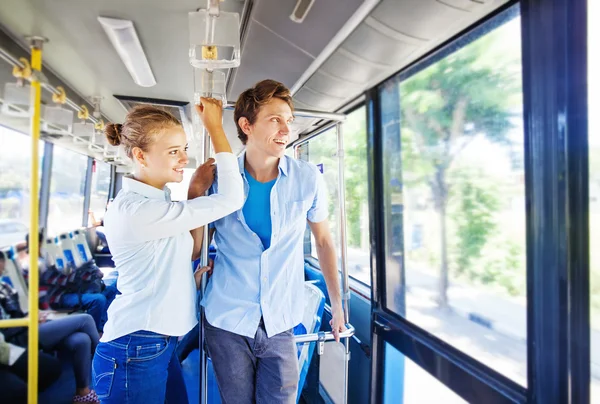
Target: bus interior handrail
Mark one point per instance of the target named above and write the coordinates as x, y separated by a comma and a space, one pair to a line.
325, 336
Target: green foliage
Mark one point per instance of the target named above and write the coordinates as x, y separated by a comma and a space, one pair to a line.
478, 202
322, 150
444, 107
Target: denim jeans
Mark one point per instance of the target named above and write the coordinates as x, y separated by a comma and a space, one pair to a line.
188, 344
254, 370
94, 304
139, 368
77, 335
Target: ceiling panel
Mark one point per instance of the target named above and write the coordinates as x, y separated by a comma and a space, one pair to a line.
267, 56
332, 85
422, 19
316, 100
373, 46
322, 22
361, 71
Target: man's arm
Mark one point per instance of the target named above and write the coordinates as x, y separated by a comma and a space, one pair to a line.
328, 263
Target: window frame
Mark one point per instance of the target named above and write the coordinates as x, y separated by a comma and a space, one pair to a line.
554, 68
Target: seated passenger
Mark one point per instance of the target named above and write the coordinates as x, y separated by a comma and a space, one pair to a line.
92, 222
74, 335
75, 296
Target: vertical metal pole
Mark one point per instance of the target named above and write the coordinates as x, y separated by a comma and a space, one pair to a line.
87, 191
204, 262
36, 98
46, 183
343, 249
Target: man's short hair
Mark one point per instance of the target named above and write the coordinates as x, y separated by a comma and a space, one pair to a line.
250, 101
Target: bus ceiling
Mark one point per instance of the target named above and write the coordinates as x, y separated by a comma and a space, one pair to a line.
328, 53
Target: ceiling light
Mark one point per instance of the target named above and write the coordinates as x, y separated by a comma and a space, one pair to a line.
124, 38
301, 10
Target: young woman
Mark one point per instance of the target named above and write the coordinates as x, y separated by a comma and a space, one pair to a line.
153, 241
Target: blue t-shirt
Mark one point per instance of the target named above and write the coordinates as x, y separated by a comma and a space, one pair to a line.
257, 209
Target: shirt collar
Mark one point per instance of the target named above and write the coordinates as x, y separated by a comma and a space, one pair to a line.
283, 164
130, 184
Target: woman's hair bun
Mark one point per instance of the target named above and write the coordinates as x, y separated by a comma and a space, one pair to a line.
112, 131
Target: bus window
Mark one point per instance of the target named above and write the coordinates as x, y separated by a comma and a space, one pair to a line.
100, 190
67, 186
455, 195
357, 195
15, 158
406, 382
322, 151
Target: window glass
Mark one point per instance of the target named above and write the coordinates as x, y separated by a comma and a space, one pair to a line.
100, 190
15, 160
67, 187
357, 195
594, 144
406, 382
455, 200
322, 153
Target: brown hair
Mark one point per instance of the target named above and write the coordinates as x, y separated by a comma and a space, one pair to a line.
139, 128
249, 102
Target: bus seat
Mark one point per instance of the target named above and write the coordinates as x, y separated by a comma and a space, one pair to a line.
311, 322
102, 253
69, 250
54, 254
91, 237
82, 245
16, 279
313, 273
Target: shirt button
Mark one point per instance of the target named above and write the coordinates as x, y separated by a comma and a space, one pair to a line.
265, 279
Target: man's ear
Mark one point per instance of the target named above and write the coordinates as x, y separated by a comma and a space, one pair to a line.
244, 123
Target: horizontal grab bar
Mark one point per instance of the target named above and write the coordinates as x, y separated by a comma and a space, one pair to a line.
324, 336
14, 322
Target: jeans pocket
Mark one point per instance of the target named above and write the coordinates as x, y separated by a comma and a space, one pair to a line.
103, 372
150, 350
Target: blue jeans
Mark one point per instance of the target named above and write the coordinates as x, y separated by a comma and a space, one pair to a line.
254, 370
139, 368
94, 304
188, 344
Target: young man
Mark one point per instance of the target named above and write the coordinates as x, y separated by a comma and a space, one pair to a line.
255, 296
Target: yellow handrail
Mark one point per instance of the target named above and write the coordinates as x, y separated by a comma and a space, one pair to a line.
34, 208
16, 322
